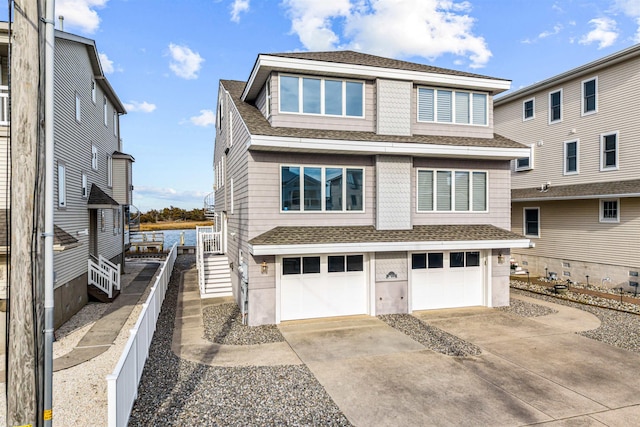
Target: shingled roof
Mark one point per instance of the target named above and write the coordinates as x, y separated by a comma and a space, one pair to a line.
98, 199
358, 58
630, 188
258, 125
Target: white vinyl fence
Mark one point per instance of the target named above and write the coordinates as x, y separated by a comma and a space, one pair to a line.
122, 384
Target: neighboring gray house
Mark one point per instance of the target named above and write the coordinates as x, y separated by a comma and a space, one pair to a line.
348, 184
92, 175
577, 194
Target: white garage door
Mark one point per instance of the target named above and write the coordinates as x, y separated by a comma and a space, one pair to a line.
446, 279
322, 286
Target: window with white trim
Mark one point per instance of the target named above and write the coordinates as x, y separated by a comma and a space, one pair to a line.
321, 189
93, 91
555, 106
115, 123
531, 222
78, 104
109, 171
609, 152
524, 163
104, 110
84, 185
268, 98
94, 157
451, 191
571, 157
62, 184
330, 97
590, 96
528, 109
610, 210
452, 106
220, 115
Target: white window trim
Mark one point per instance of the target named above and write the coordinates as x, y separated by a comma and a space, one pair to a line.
582, 104
561, 106
323, 189
525, 119
231, 196
104, 110
109, 171
524, 222
268, 97
115, 123
78, 108
609, 220
230, 129
453, 195
94, 157
604, 168
322, 80
564, 162
84, 185
93, 91
453, 106
525, 168
62, 185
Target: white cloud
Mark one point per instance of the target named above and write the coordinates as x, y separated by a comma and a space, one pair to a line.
631, 8
238, 7
605, 33
143, 107
184, 63
395, 28
158, 198
80, 14
107, 64
556, 29
206, 118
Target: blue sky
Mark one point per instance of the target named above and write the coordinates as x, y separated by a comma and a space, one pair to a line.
164, 57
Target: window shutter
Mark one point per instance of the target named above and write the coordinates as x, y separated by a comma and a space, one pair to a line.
462, 107
462, 191
425, 190
443, 191
444, 106
425, 105
479, 109
479, 191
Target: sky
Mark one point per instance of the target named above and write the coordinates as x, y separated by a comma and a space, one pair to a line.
164, 58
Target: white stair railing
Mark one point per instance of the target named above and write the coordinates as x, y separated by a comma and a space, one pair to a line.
112, 269
208, 241
100, 279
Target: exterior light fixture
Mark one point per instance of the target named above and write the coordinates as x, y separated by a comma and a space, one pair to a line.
264, 268
500, 258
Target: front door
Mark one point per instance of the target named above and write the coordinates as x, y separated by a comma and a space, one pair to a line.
93, 232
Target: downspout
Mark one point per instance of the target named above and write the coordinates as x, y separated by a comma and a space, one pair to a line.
48, 214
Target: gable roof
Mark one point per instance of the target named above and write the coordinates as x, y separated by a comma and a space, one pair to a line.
257, 124
98, 199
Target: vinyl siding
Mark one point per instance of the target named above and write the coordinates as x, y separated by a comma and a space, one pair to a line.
310, 121
618, 92
394, 107
5, 172
73, 143
572, 230
121, 181
261, 100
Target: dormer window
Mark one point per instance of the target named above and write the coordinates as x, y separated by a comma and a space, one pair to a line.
449, 106
331, 97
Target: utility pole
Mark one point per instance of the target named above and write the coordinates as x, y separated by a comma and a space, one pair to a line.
26, 342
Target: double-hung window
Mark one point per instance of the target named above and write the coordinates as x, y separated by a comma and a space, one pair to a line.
449, 106
531, 222
555, 106
528, 109
451, 191
609, 151
590, 96
321, 189
62, 185
312, 95
610, 210
571, 157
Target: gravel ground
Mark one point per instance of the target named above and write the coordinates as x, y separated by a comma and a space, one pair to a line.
223, 325
178, 392
431, 337
526, 309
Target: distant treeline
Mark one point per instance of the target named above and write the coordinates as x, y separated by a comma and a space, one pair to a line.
172, 214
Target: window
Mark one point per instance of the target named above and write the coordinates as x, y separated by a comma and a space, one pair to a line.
220, 115
528, 111
456, 259
473, 259
115, 123
355, 263
62, 185
104, 110
321, 188
331, 97
268, 98
310, 265
230, 129
94, 157
448, 191
109, 171
93, 91
103, 221
335, 264
435, 260
418, 261
555, 106
609, 151
448, 106
78, 116
590, 96
83, 183
609, 210
291, 266
571, 157
115, 220
532, 222
525, 163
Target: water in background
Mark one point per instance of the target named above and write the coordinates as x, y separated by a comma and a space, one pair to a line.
173, 236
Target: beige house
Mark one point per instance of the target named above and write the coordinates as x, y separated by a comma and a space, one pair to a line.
92, 189
348, 184
577, 194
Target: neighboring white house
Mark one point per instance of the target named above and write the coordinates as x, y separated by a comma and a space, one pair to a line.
576, 195
349, 183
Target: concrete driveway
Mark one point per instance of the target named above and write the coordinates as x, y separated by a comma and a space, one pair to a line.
530, 371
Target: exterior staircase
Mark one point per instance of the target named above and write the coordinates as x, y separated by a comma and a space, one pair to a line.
209, 208
217, 276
